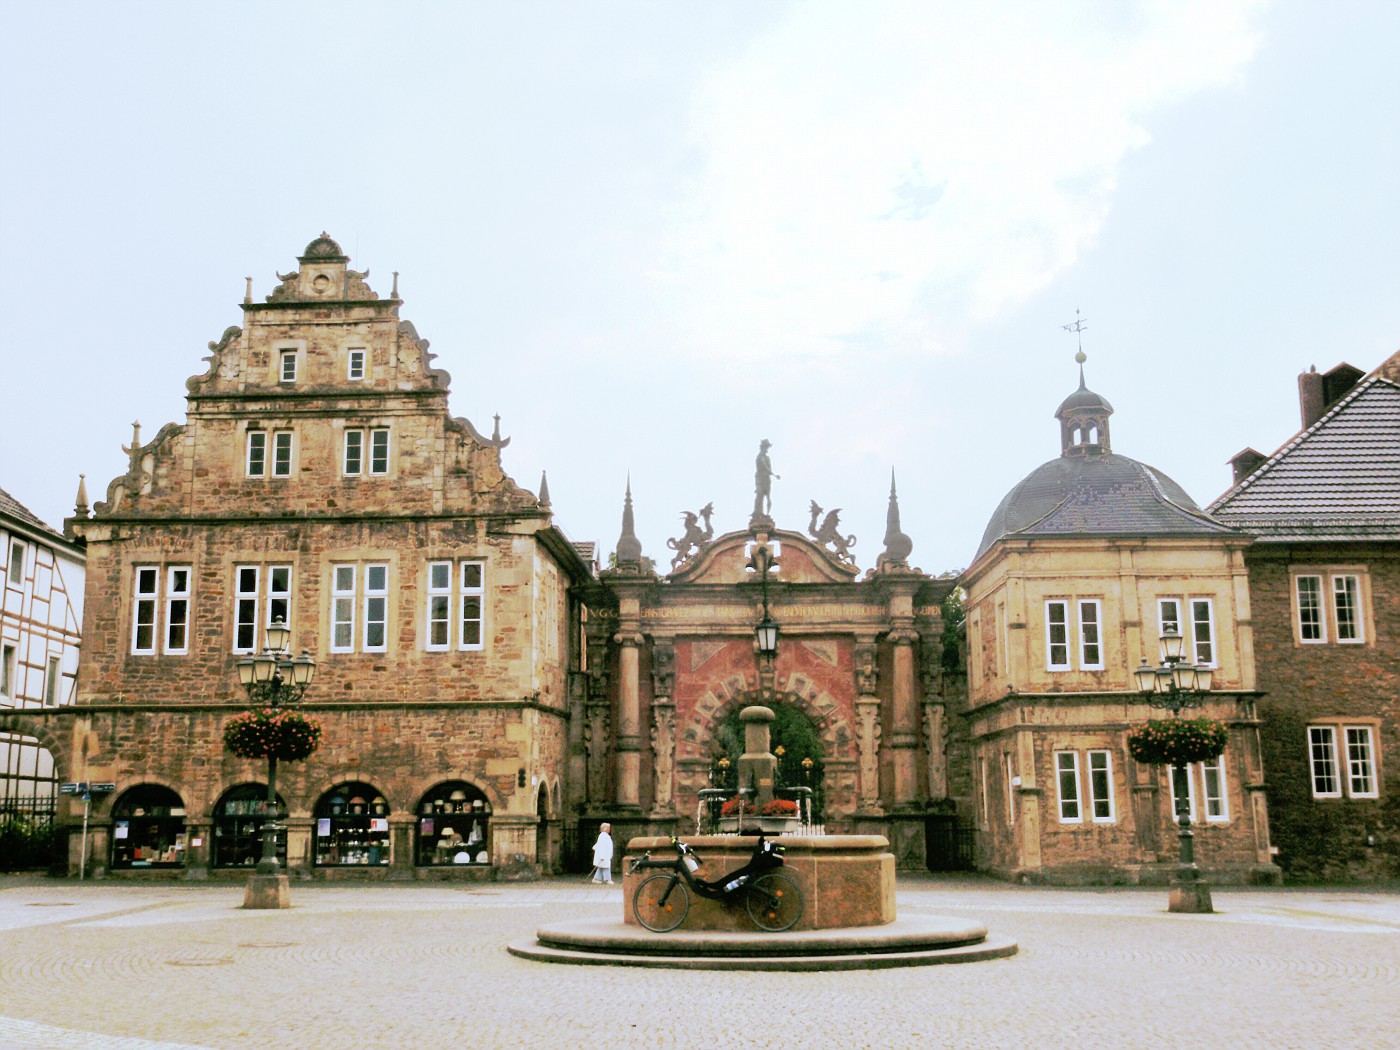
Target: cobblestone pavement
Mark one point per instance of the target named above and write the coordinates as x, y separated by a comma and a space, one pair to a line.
116, 966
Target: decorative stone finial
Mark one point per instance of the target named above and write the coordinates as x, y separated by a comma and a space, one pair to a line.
80, 506
897, 545
629, 548
248, 292
394, 292
544, 489
496, 432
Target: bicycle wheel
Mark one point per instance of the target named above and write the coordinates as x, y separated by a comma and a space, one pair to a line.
661, 902
774, 902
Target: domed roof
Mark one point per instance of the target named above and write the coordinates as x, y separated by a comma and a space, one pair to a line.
1083, 399
323, 248
1102, 495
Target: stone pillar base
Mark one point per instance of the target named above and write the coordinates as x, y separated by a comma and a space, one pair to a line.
1191, 897
267, 891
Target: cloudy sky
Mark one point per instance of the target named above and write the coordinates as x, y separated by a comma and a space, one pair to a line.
649, 235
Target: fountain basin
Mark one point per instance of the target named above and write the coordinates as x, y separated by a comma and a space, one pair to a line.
846, 880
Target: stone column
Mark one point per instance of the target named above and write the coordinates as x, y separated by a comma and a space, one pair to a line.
868, 731
663, 729
627, 789
935, 721
904, 740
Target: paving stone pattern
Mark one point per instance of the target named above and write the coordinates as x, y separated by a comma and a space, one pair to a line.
111, 966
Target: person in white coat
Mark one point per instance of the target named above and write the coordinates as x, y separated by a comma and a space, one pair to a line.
602, 856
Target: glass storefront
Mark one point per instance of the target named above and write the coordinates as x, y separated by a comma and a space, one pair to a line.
148, 828
238, 821
352, 827
453, 826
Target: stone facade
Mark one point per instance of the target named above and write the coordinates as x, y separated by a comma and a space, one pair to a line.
1084, 565
320, 479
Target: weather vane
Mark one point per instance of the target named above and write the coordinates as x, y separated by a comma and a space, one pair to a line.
1077, 327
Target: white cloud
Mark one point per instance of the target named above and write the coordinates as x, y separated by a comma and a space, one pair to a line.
886, 174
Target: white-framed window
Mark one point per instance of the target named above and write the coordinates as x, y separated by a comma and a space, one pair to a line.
360, 607
287, 365
1090, 651
456, 611
143, 614
281, 453
7, 671
1202, 637
262, 594
1067, 782
362, 445
1346, 607
984, 794
14, 572
1329, 605
146, 633
257, 453
51, 680
1203, 779
1081, 639
1101, 807
1168, 616
354, 458
177, 609
1057, 635
355, 363
1329, 776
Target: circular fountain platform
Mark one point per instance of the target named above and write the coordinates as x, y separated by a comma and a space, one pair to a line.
922, 940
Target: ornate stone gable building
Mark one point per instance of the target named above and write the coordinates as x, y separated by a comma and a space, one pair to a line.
1081, 568
1324, 575
857, 669
319, 479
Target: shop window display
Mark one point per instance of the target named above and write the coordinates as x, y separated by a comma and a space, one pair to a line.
148, 829
454, 826
238, 821
352, 827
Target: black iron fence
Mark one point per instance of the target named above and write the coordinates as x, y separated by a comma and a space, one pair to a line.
30, 838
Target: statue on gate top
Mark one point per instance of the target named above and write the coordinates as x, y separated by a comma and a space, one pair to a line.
763, 484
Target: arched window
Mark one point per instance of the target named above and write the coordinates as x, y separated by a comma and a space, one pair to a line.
238, 821
352, 827
148, 828
454, 825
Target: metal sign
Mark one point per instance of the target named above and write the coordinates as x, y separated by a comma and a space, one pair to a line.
102, 789
72, 789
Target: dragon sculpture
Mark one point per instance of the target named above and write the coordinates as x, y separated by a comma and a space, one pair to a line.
695, 537
829, 532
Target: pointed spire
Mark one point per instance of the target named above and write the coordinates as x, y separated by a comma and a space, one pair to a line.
629, 548
897, 544
544, 488
80, 505
496, 433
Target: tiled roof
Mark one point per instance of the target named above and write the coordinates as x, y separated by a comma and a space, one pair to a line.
17, 511
1338, 480
1103, 495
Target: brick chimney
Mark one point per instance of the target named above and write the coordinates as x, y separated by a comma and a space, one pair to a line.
1246, 463
1310, 396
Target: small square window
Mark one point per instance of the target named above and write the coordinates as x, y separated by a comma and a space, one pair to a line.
287, 366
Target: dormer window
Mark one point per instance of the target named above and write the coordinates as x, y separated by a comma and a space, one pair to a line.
287, 366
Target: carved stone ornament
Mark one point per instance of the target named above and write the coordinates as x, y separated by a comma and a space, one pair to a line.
866, 672
695, 538
663, 670
828, 533
663, 746
868, 739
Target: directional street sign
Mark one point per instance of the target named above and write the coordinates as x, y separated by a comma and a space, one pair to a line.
72, 789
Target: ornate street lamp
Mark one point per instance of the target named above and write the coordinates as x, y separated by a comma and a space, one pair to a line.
766, 631
1175, 685
274, 678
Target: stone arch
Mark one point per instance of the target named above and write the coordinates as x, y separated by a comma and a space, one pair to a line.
796, 690
53, 737
415, 789
316, 791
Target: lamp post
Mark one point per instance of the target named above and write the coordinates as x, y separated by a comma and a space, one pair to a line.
1175, 685
766, 631
273, 678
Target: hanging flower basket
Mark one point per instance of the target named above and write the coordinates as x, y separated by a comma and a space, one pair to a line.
1178, 742
272, 733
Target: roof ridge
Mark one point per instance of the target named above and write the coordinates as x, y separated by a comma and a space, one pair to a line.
1365, 384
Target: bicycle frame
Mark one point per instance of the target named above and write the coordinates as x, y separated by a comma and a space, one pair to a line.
766, 856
